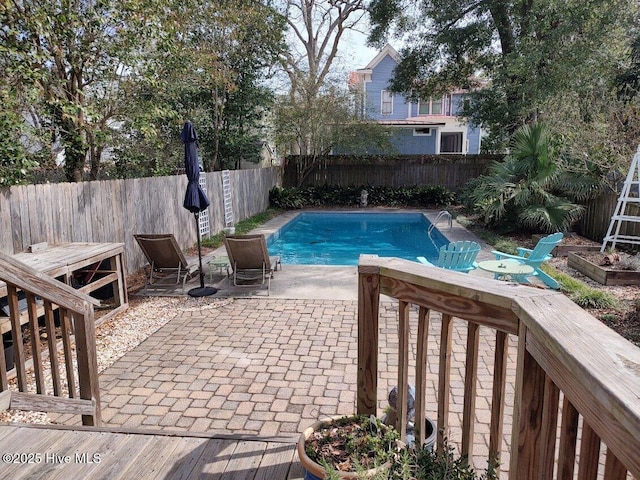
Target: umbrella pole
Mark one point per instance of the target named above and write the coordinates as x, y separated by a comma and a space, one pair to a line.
202, 291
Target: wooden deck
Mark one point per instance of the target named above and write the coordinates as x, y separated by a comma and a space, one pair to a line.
55, 452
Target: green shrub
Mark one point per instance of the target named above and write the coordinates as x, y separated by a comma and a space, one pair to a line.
506, 246
330, 196
592, 298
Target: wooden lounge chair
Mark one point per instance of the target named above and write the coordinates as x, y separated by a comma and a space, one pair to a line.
168, 265
249, 261
535, 257
458, 256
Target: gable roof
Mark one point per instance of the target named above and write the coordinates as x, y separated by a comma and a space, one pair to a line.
387, 50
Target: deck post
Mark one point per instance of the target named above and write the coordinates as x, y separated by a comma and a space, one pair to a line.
527, 446
368, 313
88, 364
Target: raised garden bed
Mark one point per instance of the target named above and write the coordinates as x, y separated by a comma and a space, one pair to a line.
604, 274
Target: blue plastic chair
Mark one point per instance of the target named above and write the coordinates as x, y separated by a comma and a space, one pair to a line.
535, 257
458, 256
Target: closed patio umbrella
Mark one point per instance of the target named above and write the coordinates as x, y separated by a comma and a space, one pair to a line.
195, 200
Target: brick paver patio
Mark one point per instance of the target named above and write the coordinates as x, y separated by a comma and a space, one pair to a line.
270, 366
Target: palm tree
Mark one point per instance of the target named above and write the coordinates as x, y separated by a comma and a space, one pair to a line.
528, 189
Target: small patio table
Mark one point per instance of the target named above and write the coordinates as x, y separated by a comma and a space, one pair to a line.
220, 263
506, 270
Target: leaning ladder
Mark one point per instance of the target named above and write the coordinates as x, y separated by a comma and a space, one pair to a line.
203, 217
629, 195
228, 203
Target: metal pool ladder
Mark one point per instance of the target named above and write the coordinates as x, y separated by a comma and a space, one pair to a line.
441, 216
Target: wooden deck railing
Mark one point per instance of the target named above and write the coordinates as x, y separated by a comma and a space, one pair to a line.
73, 386
576, 392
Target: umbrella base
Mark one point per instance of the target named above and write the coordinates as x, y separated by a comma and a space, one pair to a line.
202, 291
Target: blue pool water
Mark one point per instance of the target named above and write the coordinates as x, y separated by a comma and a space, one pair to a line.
315, 238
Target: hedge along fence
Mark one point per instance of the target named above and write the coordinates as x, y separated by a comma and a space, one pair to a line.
449, 171
112, 211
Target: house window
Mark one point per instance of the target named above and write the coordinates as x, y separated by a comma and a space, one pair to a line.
451, 142
421, 132
386, 102
434, 106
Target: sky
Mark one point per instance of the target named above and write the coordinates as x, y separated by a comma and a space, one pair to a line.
355, 51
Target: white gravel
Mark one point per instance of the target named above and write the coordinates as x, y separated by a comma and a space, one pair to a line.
118, 335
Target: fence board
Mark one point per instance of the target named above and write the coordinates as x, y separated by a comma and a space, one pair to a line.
20, 218
30, 209
5, 217
598, 214
449, 171
114, 210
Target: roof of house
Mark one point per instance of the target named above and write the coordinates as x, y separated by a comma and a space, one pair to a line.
386, 50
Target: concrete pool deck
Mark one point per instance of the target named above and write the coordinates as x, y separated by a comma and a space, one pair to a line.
320, 282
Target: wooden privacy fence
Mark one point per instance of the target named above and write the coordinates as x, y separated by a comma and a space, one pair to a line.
114, 210
71, 387
597, 218
449, 171
575, 394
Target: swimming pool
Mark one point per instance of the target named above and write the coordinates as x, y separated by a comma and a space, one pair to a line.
338, 238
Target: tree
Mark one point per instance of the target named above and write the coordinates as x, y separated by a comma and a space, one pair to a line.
14, 159
317, 27
75, 54
209, 67
523, 52
599, 123
599, 132
529, 189
329, 123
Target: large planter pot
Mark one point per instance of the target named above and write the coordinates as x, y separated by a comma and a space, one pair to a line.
602, 274
313, 470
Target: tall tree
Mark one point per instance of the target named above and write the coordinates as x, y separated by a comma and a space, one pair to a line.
316, 30
328, 123
525, 51
209, 67
74, 52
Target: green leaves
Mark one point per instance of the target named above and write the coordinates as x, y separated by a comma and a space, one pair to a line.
527, 189
127, 73
305, 197
526, 53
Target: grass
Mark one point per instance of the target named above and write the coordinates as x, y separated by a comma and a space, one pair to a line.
581, 293
498, 241
242, 227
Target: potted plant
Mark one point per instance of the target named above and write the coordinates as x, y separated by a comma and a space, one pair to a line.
347, 447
